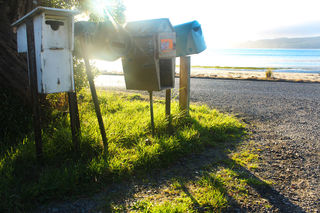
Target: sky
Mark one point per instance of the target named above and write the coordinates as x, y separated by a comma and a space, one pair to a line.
225, 22
228, 22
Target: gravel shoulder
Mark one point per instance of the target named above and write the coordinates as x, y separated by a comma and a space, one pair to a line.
286, 117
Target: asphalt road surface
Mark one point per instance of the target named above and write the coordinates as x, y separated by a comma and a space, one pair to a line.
286, 120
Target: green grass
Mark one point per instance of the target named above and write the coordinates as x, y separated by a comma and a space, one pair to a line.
219, 187
132, 150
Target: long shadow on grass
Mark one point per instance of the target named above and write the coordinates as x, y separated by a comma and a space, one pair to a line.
208, 149
265, 190
195, 167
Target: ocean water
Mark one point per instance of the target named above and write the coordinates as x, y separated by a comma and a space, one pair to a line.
282, 60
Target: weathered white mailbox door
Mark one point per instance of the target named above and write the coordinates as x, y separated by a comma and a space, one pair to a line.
53, 36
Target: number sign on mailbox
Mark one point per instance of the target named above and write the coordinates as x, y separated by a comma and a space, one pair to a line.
53, 36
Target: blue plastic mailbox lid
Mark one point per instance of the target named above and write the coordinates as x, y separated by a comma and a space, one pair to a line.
190, 39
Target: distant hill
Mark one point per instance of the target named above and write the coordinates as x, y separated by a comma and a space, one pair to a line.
294, 43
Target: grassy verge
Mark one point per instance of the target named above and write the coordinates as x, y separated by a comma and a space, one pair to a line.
132, 150
227, 183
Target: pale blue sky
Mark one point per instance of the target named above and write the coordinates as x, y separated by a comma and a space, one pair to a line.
228, 21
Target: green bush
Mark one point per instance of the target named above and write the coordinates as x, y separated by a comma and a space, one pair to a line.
269, 73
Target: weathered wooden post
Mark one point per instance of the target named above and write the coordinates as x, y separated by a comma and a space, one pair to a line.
95, 101
184, 90
32, 69
74, 119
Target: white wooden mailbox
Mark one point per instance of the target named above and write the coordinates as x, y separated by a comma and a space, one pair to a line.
53, 38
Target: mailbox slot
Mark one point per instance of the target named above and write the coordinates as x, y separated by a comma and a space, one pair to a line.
56, 32
167, 67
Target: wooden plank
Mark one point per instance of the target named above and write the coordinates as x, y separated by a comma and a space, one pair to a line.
184, 90
32, 68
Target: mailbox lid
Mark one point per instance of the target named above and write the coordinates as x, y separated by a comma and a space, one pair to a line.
46, 10
149, 27
103, 40
190, 39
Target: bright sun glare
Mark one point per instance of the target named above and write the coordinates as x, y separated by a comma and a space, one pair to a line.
100, 6
226, 22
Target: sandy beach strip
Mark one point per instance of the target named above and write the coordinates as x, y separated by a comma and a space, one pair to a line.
254, 75
242, 74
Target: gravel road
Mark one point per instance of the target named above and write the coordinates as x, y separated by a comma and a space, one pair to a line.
285, 120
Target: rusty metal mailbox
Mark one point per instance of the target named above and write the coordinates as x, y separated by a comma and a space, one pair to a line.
150, 65
53, 46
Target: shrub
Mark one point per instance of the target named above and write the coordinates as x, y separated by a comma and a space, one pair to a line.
269, 73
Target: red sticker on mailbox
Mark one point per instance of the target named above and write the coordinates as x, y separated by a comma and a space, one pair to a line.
166, 45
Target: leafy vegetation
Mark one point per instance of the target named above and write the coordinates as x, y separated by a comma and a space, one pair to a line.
15, 117
132, 150
269, 73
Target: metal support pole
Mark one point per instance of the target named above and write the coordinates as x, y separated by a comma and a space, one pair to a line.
32, 68
168, 103
74, 119
168, 106
184, 91
96, 102
151, 112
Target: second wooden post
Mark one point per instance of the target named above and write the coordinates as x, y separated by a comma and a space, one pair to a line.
184, 90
